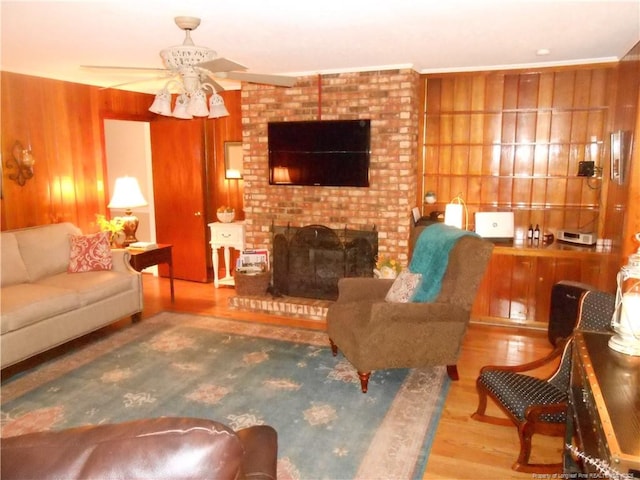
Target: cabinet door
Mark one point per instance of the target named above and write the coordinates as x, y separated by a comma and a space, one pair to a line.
179, 190
517, 288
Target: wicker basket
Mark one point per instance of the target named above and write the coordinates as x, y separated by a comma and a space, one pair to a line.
252, 283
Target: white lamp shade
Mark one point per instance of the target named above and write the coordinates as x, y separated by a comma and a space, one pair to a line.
198, 104
216, 107
162, 104
127, 194
453, 213
181, 109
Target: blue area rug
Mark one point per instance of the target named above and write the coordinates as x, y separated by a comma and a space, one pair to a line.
241, 374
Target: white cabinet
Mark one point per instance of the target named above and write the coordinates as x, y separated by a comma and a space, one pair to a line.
225, 235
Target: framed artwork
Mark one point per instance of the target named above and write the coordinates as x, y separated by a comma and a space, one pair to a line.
233, 160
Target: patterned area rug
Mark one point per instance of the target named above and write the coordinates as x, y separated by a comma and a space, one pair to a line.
241, 374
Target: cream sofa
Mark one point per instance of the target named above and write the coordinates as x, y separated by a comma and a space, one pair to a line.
42, 305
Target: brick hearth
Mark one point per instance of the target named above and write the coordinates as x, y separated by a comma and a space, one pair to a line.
307, 308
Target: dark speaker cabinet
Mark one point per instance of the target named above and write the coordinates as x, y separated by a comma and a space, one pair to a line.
563, 312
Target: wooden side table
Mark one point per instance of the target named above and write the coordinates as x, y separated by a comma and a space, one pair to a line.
141, 259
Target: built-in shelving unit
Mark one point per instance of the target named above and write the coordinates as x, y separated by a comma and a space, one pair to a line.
513, 141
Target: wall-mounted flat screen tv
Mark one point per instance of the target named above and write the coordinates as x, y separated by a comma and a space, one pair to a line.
324, 152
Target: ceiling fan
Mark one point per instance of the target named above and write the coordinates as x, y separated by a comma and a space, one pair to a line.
192, 62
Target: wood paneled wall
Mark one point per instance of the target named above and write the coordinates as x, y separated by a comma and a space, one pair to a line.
224, 191
514, 140
623, 201
63, 124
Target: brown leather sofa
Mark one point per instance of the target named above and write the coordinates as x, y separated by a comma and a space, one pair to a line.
150, 449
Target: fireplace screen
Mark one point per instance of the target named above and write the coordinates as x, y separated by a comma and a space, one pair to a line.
309, 261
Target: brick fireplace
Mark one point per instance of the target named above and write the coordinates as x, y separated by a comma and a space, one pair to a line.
390, 98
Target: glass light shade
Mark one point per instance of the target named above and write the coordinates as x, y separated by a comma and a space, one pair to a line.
127, 194
181, 110
198, 104
626, 318
216, 107
162, 104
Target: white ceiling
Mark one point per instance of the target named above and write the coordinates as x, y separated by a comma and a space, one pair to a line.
52, 38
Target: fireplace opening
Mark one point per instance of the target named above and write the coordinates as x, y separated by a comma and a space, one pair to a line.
308, 261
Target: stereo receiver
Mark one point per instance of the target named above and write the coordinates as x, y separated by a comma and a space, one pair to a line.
579, 238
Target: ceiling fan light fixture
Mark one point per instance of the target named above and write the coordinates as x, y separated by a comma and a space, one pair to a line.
162, 104
217, 108
186, 55
198, 104
181, 110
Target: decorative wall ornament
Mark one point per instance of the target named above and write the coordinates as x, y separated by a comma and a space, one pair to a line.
22, 161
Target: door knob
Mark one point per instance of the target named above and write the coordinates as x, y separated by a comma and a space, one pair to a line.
198, 214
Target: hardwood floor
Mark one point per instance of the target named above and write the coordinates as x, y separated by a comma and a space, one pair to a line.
462, 449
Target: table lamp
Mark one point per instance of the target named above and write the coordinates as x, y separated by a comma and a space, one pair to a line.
127, 195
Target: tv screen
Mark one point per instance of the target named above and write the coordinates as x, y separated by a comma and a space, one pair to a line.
324, 152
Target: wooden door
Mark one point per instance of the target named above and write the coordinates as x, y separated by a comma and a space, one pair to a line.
178, 158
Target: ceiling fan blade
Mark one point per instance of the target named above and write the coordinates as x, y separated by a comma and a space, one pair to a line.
221, 65
277, 80
212, 81
130, 69
135, 81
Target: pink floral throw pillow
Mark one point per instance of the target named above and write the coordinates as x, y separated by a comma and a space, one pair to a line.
90, 253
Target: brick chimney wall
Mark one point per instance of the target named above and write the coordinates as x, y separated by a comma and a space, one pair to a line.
390, 99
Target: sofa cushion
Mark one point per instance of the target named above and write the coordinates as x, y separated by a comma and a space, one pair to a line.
45, 249
91, 287
27, 303
90, 253
12, 268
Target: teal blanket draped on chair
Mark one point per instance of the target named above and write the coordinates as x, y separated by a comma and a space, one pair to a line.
431, 257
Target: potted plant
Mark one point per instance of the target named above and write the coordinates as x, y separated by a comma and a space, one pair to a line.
115, 226
387, 268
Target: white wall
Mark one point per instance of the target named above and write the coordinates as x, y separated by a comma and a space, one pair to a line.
128, 150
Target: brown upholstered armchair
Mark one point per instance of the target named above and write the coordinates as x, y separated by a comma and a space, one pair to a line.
374, 334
